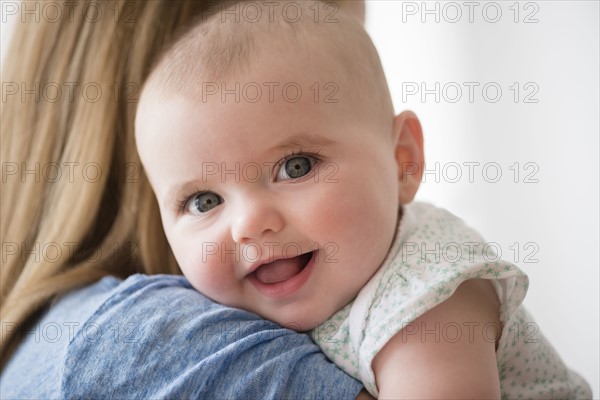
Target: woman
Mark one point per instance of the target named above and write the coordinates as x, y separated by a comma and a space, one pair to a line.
76, 208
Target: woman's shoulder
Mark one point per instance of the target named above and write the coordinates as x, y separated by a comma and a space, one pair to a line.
150, 309
155, 336
35, 369
134, 283
110, 295
143, 300
139, 294
93, 330
139, 281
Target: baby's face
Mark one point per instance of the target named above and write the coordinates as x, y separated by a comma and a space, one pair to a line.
283, 209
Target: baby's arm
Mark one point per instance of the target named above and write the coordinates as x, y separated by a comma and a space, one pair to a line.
416, 367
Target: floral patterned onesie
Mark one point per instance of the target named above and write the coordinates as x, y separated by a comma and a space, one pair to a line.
432, 254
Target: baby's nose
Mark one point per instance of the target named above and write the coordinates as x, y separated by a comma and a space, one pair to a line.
256, 218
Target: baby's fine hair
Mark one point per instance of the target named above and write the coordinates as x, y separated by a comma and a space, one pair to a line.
222, 45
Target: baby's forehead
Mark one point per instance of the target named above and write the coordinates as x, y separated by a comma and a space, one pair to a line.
274, 51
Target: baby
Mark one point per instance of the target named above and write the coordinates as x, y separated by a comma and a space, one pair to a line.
285, 185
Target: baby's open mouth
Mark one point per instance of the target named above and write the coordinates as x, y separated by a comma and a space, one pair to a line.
283, 269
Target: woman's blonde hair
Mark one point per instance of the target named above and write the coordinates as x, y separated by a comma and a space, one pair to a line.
75, 204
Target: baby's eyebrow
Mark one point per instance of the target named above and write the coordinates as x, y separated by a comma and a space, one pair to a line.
304, 140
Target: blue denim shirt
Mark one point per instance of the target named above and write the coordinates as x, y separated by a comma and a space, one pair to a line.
156, 337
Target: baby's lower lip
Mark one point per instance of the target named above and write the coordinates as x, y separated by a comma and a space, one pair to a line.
285, 287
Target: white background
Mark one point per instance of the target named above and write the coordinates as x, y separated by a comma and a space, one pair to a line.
557, 217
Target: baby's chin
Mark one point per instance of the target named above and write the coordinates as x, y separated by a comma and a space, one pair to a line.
299, 324
302, 320
294, 316
313, 312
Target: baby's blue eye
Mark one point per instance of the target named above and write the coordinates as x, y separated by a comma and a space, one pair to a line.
203, 202
295, 167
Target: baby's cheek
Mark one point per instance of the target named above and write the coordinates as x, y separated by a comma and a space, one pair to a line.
348, 206
204, 270
335, 222
360, 218
331, 211
212, 275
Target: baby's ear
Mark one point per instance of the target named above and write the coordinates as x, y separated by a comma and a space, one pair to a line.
409, 154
